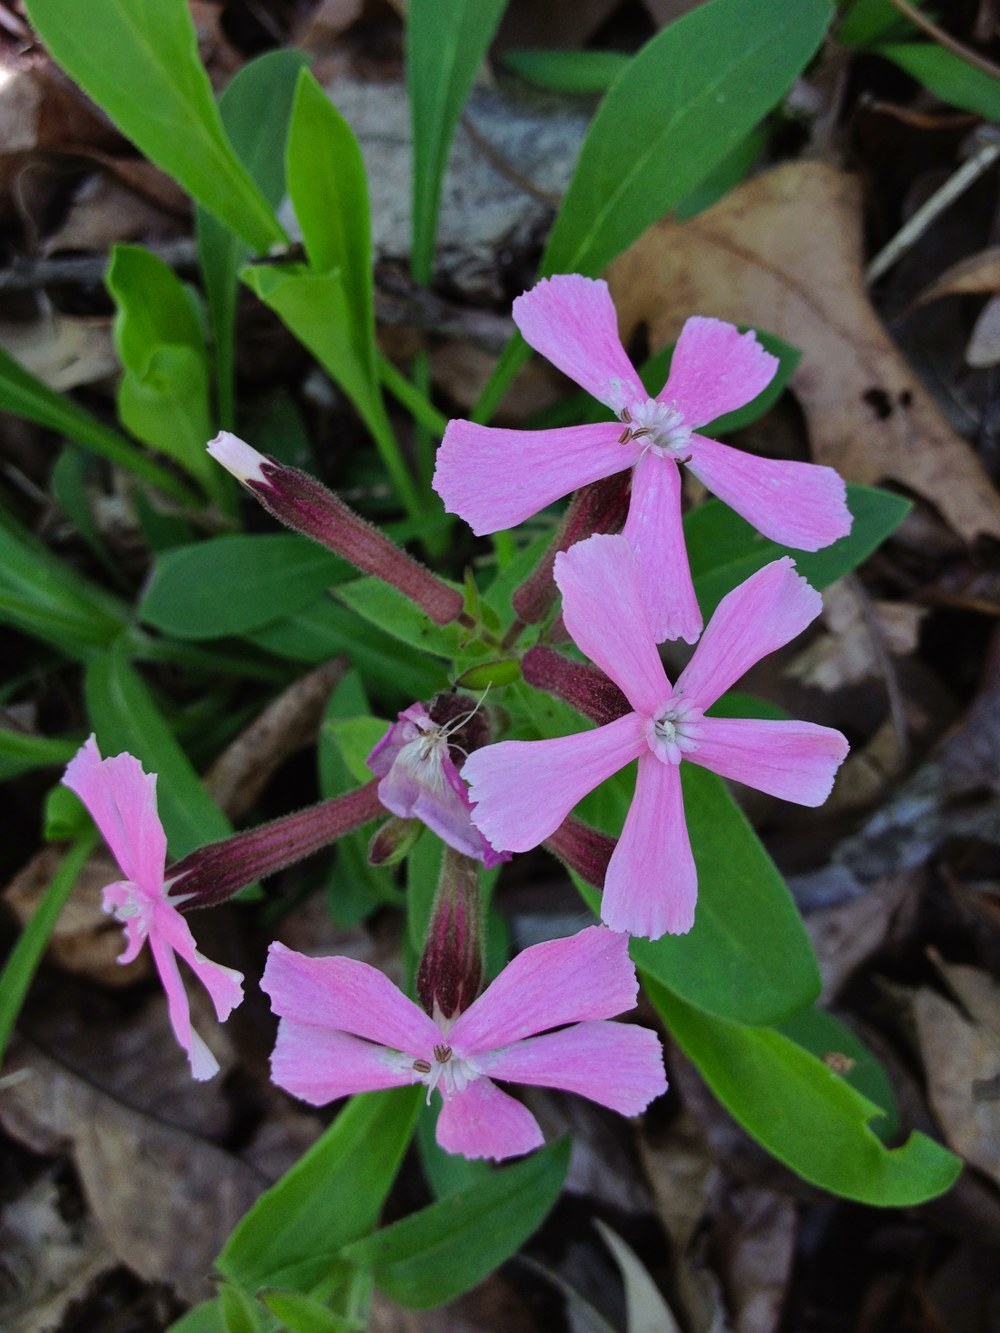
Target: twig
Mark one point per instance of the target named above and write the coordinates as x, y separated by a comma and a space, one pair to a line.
496, 159
945, 38
955, 185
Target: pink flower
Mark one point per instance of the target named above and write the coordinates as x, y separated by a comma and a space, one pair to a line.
121, 799
345, 1028
496, 479
523, 790
420, 781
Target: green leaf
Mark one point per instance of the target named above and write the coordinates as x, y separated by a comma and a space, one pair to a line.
386, 607
734, 168
236, 584
27, 397
27, 953
126, 717
748, 957
446, 41
325, 629
304, 1314
948, 76
355, 888
259, 142
163, 395
21, 753
828, 1038
724, 549
568, 71
717, 71
803, 1113
240, 1312
206, 1317
867, 21
46, 597
138, 60
436, 1254
330, 1197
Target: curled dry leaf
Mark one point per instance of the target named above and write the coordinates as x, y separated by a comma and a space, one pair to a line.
849, 653
974, 274
983, 348
961, 1058
784, 253
61, 350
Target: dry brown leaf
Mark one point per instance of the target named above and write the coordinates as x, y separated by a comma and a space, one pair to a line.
755, 1236
105, 211
974, 273
847, 653
288, 724
165, 1200
983, 348
48, 1262
962, 1061
784, 252
85, 941
847, 935
61, 350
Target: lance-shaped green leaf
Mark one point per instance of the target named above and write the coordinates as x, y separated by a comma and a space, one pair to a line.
43, 596
716, 72
138, 60
21, 753
947, 75
163, 395
436, 1254
568, 71
446, 41
330, 1197
27, 397
803, 1112
259, 142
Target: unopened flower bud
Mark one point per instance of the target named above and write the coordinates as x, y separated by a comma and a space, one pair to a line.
392, 841
450, 974
303, 503
584, 687
583, 849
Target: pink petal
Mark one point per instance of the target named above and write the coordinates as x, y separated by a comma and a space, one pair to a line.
523, 790
482, 1121
794, 760
801, 505
495, 478
605, 616
346, 995
715, 369
654, 531
203, 1062
651, 883
758, 617
615, 1064
121, 799
588, 976
571, 320
224, 984
320, 1065
401, 732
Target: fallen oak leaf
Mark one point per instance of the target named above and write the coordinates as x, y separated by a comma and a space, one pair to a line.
784, 252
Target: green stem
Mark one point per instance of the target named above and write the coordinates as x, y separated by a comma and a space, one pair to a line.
416, 403
27, 953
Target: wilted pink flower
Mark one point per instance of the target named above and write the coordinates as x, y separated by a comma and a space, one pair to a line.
420, 781
523, 790
497, 478
345, 1028
121, 799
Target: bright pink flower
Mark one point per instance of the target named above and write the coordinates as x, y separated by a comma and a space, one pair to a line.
345, 1028
420, 781
496, 479
121, 799
523, 790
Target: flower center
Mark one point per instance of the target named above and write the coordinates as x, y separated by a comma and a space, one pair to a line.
675, 730
659, 425
447, 1071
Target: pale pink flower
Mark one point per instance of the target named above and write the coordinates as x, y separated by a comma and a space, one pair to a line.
421, 781
346, 1028
495, 478
121, 799
523, 790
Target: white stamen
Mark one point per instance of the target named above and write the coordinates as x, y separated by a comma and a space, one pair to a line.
659, 425
675, 730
